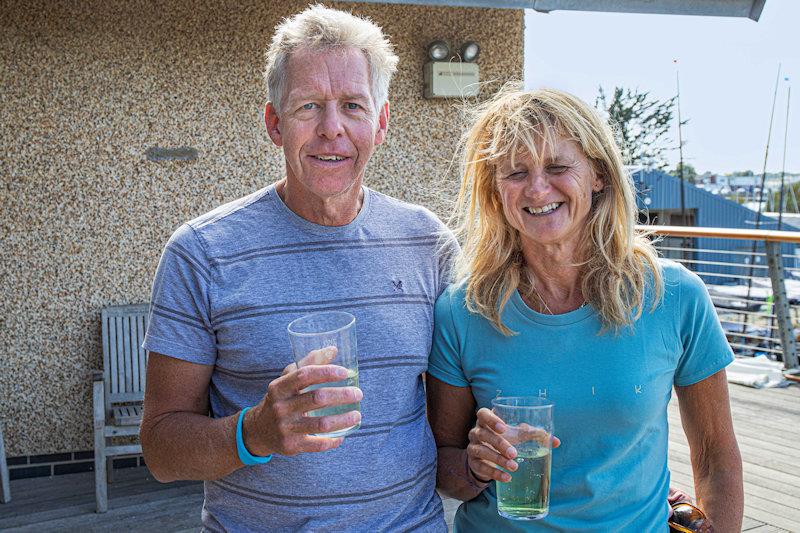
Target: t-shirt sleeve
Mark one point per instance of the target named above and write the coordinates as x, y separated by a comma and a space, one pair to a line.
447, 253
705, 349
445, 359
180, 319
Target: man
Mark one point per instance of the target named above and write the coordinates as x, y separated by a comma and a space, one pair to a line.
230, 281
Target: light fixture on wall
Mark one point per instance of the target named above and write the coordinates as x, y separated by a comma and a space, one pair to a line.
470, 51
439, 51
447, 75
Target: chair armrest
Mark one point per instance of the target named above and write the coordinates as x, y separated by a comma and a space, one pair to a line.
97, 375
98, 401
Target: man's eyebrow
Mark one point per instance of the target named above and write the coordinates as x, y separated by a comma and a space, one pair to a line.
356, 96
294, 96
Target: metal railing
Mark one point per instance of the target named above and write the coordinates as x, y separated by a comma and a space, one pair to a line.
753, 277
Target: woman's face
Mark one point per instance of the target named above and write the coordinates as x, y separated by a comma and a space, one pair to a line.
548, 203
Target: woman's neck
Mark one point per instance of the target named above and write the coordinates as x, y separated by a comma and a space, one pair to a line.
552, 285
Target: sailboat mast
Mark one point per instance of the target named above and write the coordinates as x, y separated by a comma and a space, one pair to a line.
783, 165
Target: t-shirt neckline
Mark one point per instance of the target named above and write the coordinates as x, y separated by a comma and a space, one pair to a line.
318, 229
564, 319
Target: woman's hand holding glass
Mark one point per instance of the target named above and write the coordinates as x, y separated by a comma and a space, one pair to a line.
492, 446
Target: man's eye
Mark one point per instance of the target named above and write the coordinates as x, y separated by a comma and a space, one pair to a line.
352, 106
308, 106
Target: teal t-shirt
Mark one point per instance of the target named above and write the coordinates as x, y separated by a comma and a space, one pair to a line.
610, 394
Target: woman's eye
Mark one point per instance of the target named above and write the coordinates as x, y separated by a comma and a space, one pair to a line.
518, 175
556, 169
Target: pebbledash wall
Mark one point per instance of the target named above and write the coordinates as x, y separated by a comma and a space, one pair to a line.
87, 88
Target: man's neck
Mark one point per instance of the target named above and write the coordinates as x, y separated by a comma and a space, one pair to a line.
337, 211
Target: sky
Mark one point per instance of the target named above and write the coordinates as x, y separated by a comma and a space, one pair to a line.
728, 68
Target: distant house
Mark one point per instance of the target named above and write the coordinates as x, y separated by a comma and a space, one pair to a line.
659, 202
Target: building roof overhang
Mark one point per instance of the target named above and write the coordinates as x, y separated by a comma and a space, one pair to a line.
715, 8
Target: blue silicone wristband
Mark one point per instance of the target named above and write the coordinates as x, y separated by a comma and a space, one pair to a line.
244, 456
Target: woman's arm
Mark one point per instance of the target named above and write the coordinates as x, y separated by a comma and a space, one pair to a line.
716, 462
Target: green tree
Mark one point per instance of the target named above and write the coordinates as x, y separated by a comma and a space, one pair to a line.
642, 124
689, 172
791, 193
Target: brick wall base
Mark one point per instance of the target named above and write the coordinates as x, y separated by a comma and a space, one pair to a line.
55, 464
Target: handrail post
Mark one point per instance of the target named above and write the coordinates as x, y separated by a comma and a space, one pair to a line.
781, 304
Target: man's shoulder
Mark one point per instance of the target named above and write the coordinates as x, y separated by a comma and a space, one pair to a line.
231, 212
405, 214
223, 229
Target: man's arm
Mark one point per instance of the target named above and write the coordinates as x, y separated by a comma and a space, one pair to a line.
181, 441
716, 462
451, 415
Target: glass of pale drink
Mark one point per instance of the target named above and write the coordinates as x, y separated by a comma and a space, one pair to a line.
530, 429
328, 338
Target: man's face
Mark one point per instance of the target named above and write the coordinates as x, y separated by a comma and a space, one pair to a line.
327, 124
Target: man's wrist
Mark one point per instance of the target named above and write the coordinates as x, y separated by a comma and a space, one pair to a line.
246, 435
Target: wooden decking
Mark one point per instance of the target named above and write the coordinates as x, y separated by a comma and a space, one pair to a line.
767, 424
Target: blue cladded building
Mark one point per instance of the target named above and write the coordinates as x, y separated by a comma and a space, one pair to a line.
659, 202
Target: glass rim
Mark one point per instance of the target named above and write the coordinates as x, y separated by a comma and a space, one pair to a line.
350, 322
543, 403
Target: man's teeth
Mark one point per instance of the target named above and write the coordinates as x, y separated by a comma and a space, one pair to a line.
330, 157
543, 210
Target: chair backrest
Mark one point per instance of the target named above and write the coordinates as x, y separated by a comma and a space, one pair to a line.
124, 359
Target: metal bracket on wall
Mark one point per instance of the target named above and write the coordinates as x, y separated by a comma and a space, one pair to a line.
183, 153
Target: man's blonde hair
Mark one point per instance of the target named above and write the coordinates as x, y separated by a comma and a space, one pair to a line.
319, 28
616, 261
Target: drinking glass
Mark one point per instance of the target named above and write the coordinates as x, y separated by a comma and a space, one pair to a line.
530, 429
328, 337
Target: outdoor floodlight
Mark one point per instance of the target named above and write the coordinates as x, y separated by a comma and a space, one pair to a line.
470, 51
438, 51
444, 77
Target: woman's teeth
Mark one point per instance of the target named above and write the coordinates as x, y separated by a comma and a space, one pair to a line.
544, 209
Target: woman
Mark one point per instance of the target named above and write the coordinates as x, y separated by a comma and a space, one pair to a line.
562, 298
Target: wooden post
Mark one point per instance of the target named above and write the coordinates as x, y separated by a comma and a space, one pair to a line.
100, 485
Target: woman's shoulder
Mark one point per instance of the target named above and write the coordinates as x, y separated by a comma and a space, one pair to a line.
676, 275
454, 295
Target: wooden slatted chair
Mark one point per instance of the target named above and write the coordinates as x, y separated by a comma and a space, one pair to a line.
118, 391
5, 484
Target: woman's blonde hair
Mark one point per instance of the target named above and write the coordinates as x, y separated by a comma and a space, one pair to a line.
617, 261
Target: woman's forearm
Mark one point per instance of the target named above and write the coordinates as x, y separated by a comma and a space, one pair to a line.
718, 486
453, 477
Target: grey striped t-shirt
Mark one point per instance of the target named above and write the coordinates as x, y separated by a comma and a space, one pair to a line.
228, 284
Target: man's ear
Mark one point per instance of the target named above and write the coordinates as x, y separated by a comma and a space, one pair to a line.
383, 124
271, 120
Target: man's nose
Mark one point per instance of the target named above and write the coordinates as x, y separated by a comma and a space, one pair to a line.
330, 125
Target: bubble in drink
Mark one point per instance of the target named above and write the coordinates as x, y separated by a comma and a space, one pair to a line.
350, 381
527, 495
